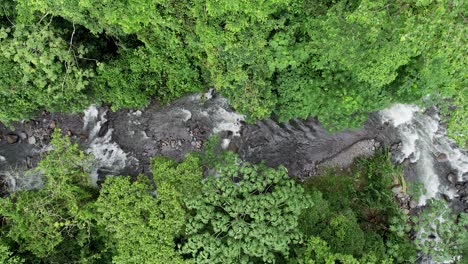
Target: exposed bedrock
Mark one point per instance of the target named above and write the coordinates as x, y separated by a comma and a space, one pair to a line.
124, 141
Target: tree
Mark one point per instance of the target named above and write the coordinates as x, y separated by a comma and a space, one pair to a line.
141, 223
41, 69
153, 56
186, 176
55, 223
244, 213
334, 60
7, 257
441, 234
356, 214
317, 251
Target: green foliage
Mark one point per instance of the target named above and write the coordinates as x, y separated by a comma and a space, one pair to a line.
186, 177
319, 212
416, 190
335, 60
245, 213
356, 214
7, 257
40, 69
458, 124
137, 75
160, 65
55, 222
441, 234
154, 221
233, 43
344, 233
317, 252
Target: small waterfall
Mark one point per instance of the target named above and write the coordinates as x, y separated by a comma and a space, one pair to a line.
422, 140
109, 157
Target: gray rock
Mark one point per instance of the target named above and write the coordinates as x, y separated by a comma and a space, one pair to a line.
12, 138
442, 157
397, 189
29, 162
32, 140
52, 125
413, 204
23, 135
452, 178
401, 195
406, 211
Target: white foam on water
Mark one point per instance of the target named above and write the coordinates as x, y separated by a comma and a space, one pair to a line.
90, 116
399, 114
108, 155
208, 95
187, 114
227, 121
427, 175
225, 143
222, 119
422, 139
2, 159
19, 179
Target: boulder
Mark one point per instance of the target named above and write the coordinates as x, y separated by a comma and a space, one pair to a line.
397, 189
32, 140
452, 178
12, 138
442, 157
23, 135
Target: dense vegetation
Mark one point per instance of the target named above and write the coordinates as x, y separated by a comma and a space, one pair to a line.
333, 59
336, 60
214, 208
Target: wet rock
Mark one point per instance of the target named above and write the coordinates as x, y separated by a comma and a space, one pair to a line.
413, 204
401, 196
104, 128
23, 135
442, 157
462, 188
32, 140
83, 136
446, 197
29, 162
12, 138
52, 125
396, 146
452, 178
232, 147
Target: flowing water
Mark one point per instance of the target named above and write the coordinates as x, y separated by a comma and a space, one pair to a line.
108, 155
424, 143
124, 142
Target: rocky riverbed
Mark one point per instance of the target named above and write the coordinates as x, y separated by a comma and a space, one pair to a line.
124, 141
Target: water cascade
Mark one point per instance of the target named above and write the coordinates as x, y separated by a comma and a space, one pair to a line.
423, 142
109, 157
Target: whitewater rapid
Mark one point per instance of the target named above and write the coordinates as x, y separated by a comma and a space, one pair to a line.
423, 139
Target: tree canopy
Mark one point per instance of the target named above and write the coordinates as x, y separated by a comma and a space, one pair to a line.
214, 208
334, 60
